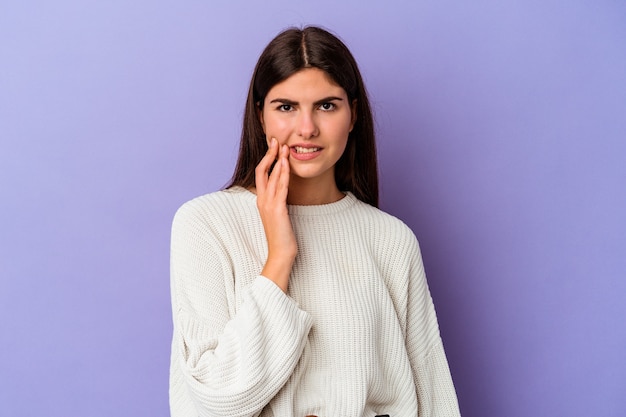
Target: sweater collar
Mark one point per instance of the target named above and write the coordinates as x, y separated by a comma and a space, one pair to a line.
314, 210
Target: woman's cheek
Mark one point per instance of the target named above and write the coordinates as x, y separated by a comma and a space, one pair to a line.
279, 130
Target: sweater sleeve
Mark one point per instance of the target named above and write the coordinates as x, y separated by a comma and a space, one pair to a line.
226, 361
435, 389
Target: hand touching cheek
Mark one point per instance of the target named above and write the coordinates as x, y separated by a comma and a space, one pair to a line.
272, 189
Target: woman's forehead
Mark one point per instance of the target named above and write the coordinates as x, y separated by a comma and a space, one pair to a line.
307, 84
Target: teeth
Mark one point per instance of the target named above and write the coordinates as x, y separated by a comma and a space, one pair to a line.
305, 150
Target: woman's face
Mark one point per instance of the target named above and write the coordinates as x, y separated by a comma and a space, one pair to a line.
312, 115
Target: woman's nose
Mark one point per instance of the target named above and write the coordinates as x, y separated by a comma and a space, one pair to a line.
307, 127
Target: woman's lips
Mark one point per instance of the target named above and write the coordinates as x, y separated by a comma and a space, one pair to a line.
305, 152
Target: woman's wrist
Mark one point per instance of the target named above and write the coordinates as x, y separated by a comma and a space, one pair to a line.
278, 271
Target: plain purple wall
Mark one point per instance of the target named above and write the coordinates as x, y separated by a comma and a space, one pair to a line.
502, 137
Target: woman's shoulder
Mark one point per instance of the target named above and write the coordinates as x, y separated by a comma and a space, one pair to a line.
215, 205
391, 243
381, 220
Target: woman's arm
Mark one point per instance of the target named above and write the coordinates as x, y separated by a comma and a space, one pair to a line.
435, 389
226, 363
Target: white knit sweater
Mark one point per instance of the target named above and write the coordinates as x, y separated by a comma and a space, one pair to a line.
356, 336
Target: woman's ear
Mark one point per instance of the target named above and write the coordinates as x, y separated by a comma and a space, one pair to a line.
259, 113
353, 111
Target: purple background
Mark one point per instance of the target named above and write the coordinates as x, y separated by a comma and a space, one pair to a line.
502, 137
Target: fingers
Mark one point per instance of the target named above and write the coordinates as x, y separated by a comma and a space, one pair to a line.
278, 180
262, 169
283, 177
275, 183
272, 178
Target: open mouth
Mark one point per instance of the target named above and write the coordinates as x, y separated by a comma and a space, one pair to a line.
300, 149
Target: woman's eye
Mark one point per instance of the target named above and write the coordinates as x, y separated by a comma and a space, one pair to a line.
327, 106
285, 107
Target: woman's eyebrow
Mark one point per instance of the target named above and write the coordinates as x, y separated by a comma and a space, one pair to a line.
284, 101
295, 103
326, 100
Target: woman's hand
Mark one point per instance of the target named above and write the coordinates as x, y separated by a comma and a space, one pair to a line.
271, 190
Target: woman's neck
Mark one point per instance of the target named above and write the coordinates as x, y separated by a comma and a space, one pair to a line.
308, 192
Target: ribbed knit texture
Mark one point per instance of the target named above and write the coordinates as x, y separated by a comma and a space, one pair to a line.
356, 336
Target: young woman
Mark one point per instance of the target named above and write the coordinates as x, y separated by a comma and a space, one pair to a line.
292, 294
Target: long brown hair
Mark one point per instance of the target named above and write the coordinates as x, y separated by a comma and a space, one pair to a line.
289, 52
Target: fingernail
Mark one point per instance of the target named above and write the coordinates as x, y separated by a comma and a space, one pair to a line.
273, 142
